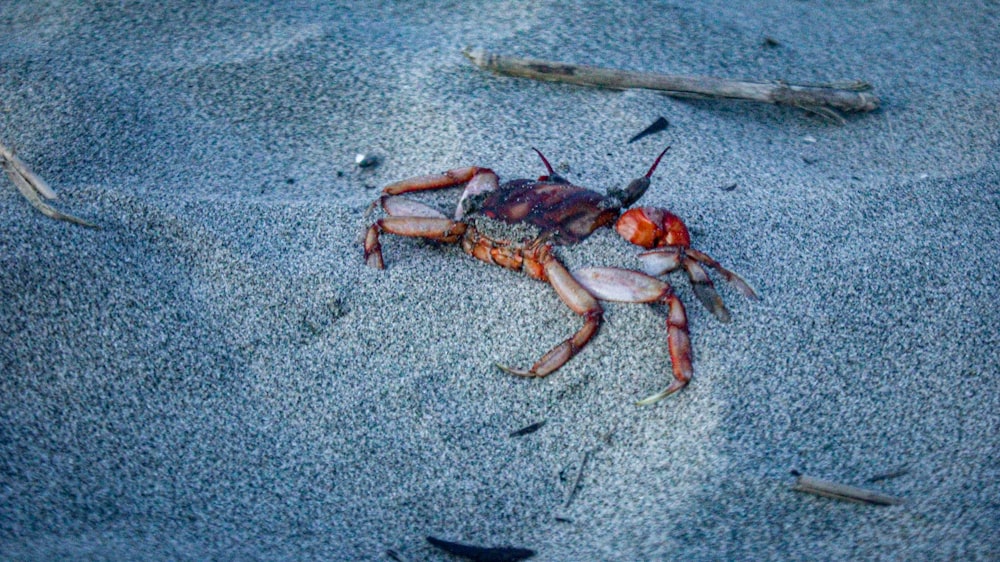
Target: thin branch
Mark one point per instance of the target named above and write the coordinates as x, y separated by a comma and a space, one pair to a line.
821, 99
483, 554
834, 490
34, 188
528, 429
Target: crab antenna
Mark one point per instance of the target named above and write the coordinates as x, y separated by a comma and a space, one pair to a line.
549, 166
652, 168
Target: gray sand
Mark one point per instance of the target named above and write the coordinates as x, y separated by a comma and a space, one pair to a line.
215, 374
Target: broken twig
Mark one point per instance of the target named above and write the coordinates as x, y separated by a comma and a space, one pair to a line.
887, 475
834, 490
660, 124
483, 554
34, 188
528, 429
821, 99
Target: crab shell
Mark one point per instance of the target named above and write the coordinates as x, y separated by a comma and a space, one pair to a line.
566, 212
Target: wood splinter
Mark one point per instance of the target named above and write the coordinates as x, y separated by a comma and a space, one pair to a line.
823, 99
575, 484
482, 554
834, 490
34, 188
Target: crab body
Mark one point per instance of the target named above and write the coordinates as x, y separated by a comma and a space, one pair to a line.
517, 224
561, 211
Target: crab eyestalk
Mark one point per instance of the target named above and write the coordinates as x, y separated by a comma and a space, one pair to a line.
636, 188
553, 176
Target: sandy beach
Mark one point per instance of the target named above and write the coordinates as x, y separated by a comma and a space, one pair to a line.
214, 373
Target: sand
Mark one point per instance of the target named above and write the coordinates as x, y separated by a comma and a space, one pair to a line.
216, 374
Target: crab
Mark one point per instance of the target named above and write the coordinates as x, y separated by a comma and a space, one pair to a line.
519, 223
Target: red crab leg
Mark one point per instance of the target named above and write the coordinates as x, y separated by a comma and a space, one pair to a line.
704, 289
480, 180
577, 298
661, 260
398, 206
666, 259
440, 229
623, 285
741, 285
450, 178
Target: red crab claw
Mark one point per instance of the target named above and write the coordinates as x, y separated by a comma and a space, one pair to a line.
651, 227
623, 285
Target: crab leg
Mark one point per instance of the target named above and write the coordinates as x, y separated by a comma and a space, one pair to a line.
661, 260
704, 289
623, 285
480, 180
741, 285
577, 298
666, 259
433, 181
398, 206
433, 228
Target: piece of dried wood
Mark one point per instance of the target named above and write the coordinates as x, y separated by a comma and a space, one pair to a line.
821, 99
34, 188
834, 490
528, 429
660, 124
888, 475
483, 554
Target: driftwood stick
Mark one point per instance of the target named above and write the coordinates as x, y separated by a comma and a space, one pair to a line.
834, 490
34, 188
819, 98
38, 183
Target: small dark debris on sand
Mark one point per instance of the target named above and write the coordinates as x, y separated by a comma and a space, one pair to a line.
483, 554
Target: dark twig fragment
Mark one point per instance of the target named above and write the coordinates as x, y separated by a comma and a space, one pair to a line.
837, 491
659, 125
889, 475
527, 429
824, 100
483, 554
